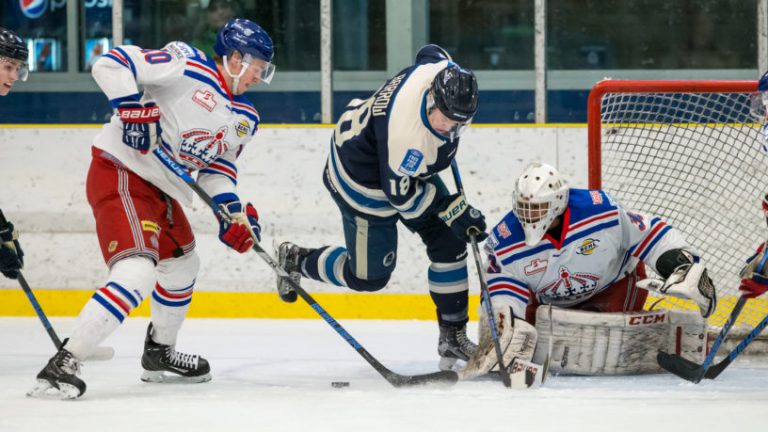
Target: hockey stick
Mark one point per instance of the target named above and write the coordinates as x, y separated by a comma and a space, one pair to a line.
716, 369
101, 353
693, 372
503, 370
397, 380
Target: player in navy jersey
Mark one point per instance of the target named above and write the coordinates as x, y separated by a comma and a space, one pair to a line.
193, 107
384, 154
13, 67
579, 249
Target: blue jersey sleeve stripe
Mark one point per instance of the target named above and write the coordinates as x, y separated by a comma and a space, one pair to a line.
527, 253
510, 294
655, 240
225, 197
205, 79
586, 233
214, 172
130, 98
128, 59
246, 113
497, 279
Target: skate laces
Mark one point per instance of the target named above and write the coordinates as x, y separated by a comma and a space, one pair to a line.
180, 359
68, 363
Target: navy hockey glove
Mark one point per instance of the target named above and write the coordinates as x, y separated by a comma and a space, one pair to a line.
11, 255
463, 219
244, 228
141, 125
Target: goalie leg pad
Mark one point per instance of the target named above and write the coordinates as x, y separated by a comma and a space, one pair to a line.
517, 339
589, 343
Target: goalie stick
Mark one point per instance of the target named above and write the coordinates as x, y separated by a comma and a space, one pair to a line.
396, 379
504, 371
100, 353
693, 372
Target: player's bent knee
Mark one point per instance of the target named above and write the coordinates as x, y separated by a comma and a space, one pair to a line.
367, 285
135, 273
178, 272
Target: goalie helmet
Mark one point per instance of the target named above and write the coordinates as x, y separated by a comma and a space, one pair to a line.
250, 40
541, 195
12, 47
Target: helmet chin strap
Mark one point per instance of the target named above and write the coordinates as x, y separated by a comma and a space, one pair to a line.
235, 78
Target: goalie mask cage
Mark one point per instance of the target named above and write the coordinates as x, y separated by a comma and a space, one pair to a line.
689, 152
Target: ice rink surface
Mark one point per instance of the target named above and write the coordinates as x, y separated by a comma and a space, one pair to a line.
275, 375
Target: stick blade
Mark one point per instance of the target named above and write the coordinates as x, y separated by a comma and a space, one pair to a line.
716, 369
441, 378
681, 367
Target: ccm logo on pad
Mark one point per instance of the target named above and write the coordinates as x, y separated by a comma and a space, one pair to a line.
646, 319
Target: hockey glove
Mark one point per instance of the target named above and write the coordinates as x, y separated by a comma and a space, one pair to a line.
687, 281
11, 255
242, 229
141, 125
463, 219
754, 283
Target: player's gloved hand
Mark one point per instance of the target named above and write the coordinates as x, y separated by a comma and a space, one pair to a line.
11, 255
463, 219
141, 124
243, 228
754, 280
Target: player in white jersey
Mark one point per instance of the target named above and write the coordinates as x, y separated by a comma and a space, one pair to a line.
384, 157
193, 107
13, 67
579, 249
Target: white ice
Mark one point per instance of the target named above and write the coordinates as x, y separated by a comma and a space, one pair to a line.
275, 375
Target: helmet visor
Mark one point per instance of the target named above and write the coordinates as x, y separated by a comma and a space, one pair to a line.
450, 129
263, 69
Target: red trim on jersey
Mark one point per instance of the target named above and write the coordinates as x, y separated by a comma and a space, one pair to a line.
648, 239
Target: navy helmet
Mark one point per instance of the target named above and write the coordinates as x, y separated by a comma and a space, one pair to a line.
12, 46
250, 40
454, 90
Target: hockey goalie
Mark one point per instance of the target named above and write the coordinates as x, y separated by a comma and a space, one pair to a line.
567, 282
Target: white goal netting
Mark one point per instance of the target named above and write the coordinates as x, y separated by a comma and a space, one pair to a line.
692, 155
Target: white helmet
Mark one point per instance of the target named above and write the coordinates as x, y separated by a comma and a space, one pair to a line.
541, 195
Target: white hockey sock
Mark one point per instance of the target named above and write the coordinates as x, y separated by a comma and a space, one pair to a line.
172, 296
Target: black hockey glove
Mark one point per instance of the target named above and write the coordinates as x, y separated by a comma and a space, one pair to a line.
463, 219
11, 255
141, 125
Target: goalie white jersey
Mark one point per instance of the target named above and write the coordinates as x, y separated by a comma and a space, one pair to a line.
203, 125
600, 243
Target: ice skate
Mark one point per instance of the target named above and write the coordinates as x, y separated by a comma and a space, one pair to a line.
288, 255
454, 345
59, 378
163, 364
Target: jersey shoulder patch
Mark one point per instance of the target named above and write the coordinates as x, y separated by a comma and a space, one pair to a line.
508, 231
587, 203
411, 162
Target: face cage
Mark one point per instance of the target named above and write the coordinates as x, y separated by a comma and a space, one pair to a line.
534, 230
23, 69
457, 129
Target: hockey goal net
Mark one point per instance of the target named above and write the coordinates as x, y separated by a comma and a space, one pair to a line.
690, 152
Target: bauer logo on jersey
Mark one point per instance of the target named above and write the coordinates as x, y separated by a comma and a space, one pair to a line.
411, 162
200, 147
587, 247
242, 128
204, 99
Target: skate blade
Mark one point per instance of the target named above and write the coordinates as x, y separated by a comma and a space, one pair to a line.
44, 390
171, 378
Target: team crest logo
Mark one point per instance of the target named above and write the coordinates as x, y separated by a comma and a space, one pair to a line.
33, 9
597, 197
570, 286
389, 259
242, 128
204, 99
637, 220
200, 147
504, 230
411, 162
112, 246
587, 247
535, 266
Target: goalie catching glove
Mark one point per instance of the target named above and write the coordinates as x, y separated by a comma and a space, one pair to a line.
687, 281
517, 339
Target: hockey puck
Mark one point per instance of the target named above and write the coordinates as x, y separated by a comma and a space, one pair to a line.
340, 384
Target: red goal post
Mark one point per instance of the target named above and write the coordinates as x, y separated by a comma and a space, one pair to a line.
689, 152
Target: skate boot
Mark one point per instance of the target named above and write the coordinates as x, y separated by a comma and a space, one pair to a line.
454, 345
61, 374
288, 255
163, 364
